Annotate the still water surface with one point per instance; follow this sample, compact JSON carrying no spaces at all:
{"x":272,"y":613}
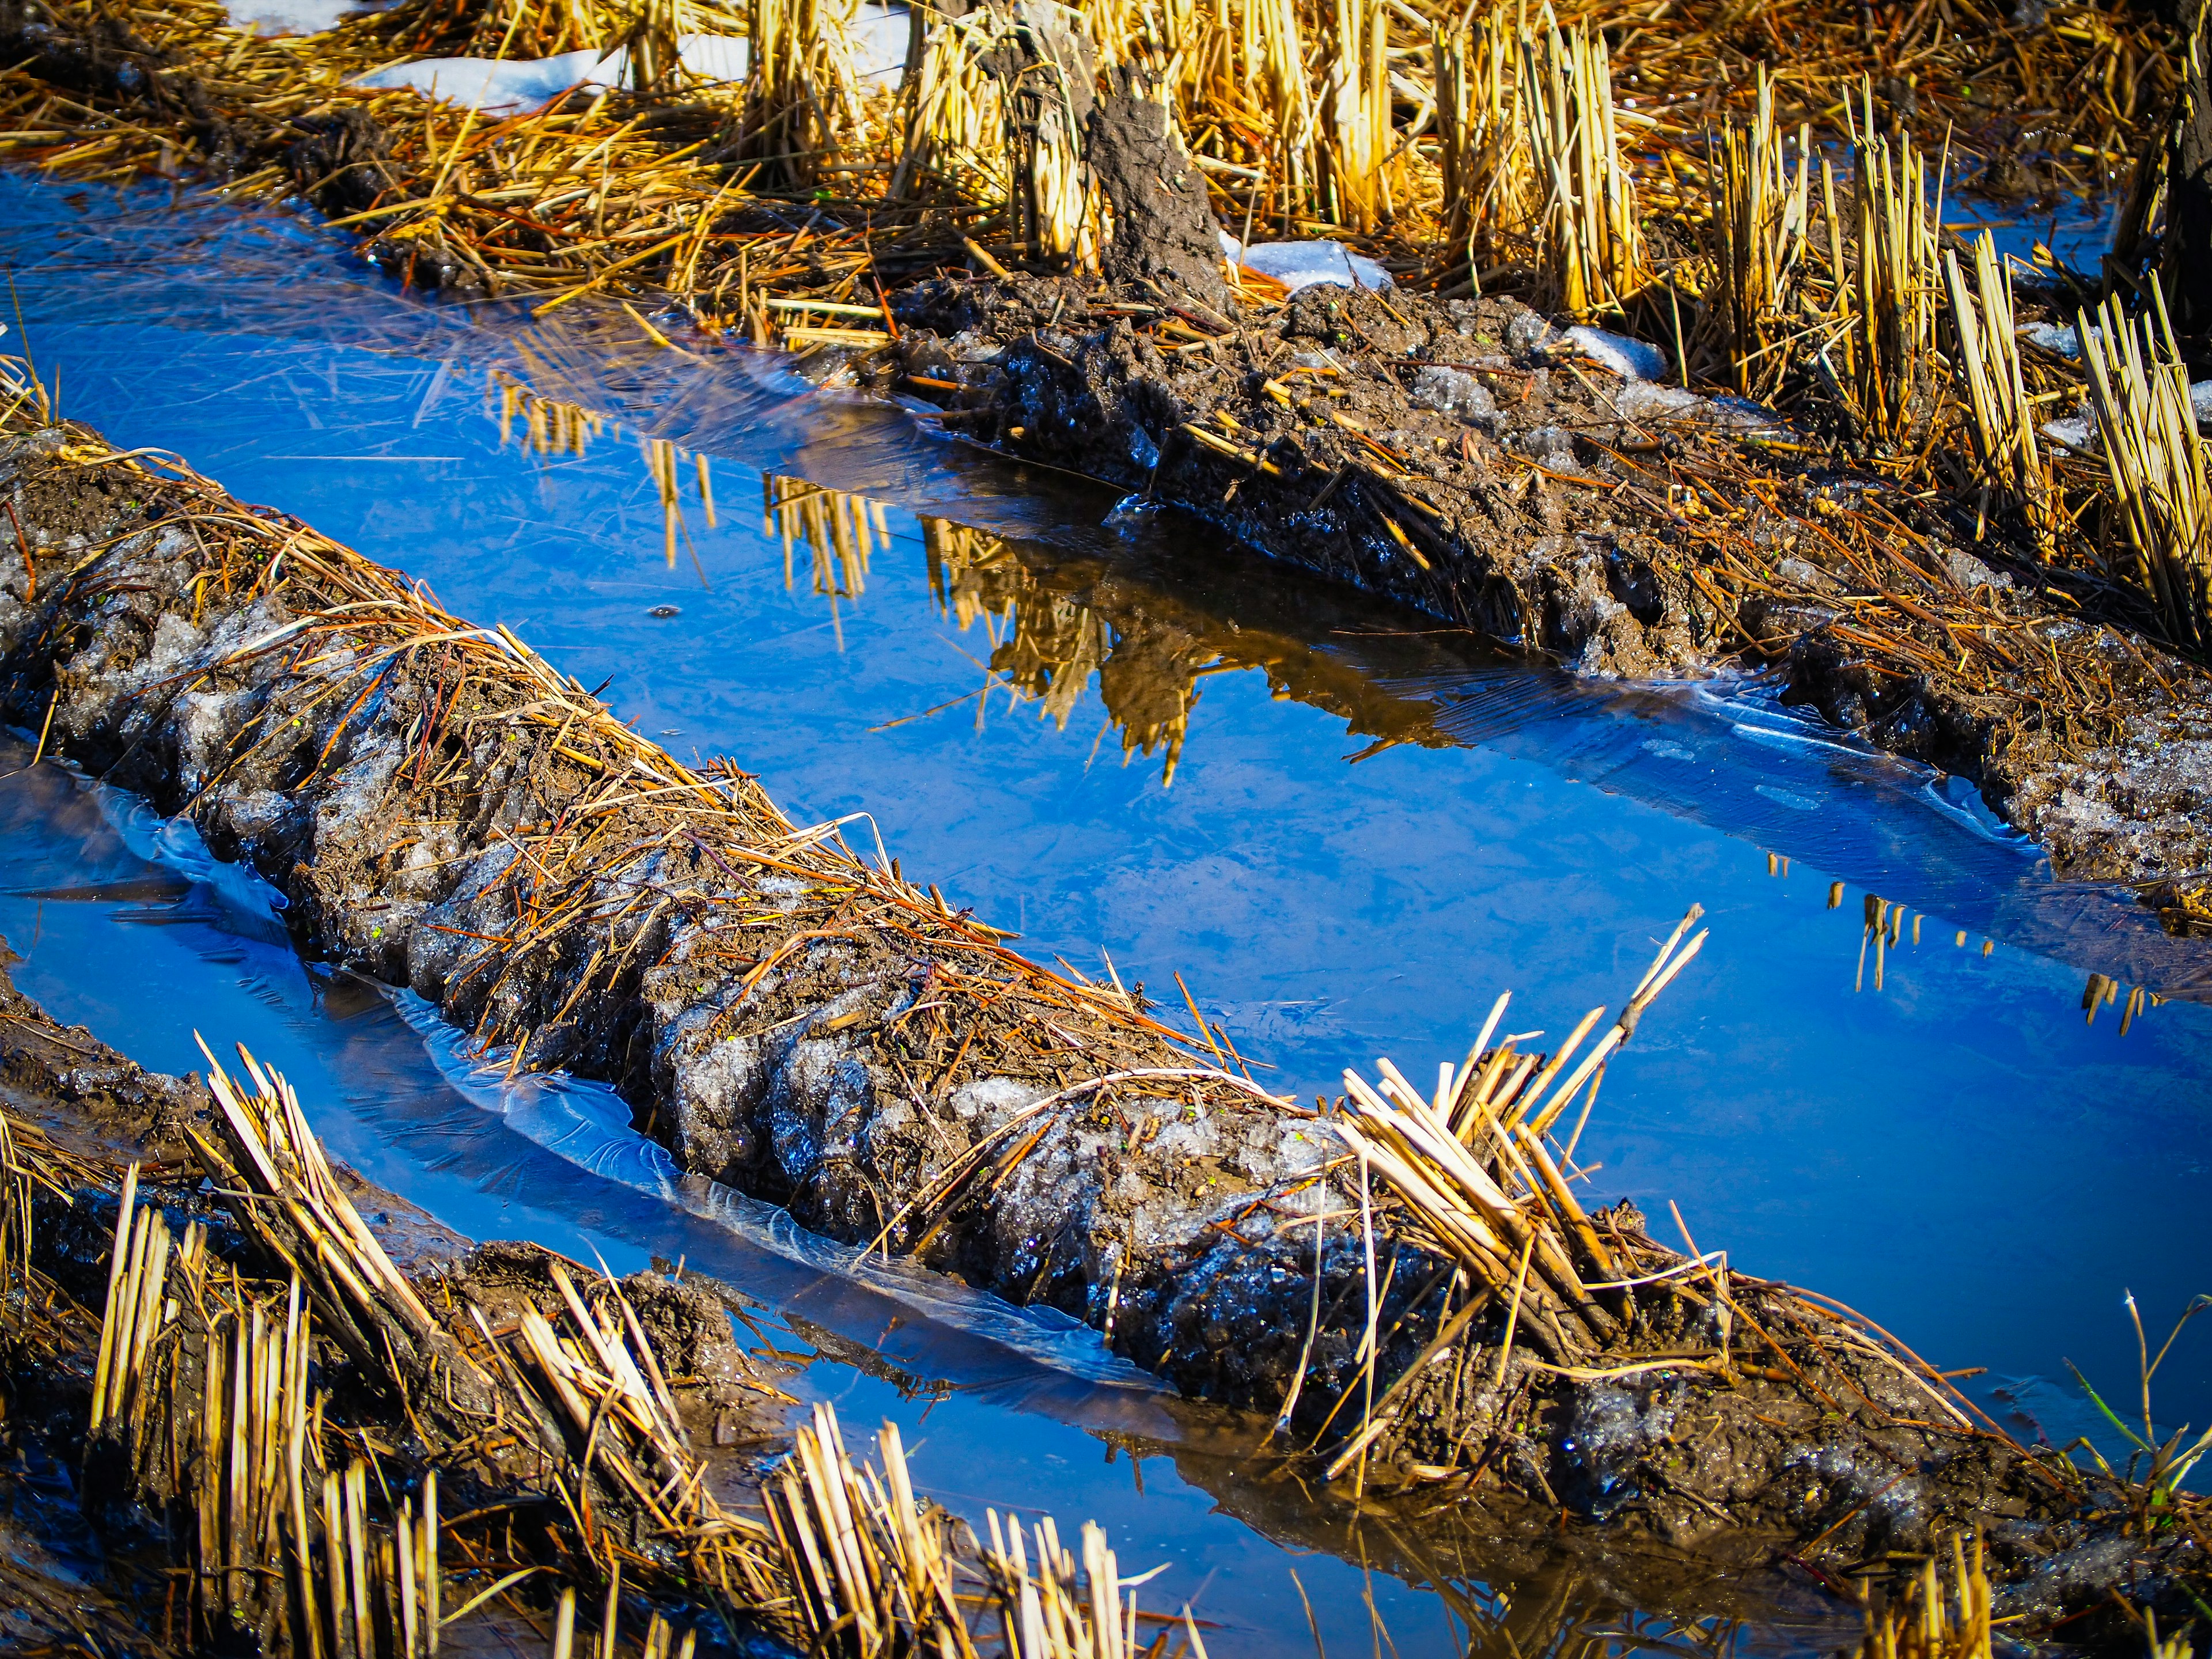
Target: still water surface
{"x":1346,"y":829}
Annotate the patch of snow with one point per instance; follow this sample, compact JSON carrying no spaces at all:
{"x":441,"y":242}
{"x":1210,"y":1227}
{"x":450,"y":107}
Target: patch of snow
{"x":267,"y":17}
{"x":1633,"y":360}
{"x":2200,"y":400}
{"x":1303,"y":264}
{"x":494,"y":84}
{"x":2074,"y":431}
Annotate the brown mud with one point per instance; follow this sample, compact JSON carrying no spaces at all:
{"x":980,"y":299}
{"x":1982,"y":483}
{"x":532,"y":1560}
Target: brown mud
{"x":98,"y":1519}
{"x":444,"y":812}
{"x":1466,"y":459}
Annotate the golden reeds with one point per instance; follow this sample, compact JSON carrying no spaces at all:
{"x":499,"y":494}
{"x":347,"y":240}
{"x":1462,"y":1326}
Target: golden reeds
{"x":1361,"y":148}
{"x":1761,"y":217}
{"x":1484,"y":172}
{"x":2014,"y":469}
{"x":954,"y":114}
{"x":1471,"y":1163}
{"x":802,"y":91}
{"x":1890,"y":334}
{"x":1939,"y":1616}
{"x":1590,"y":236}
{"x":2155,"y":459}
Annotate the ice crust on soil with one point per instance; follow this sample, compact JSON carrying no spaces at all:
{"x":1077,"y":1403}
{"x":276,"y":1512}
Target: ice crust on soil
{"x":1303,"y":265}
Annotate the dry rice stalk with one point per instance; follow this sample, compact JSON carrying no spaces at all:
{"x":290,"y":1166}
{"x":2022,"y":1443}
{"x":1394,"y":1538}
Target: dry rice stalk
{"x":877,"y":1570}
{"x":1471,"y":1164}
{"x":1361,"y":149}
{"x":1057,"y":204}
{"x":1487,"y":171}
{"x":2013,"y":467}
{"x":955,"y":116}
{"x":1936,"y":1621}
{"x":2139,"y":388}
{"x":1761,"y":217}
{"x":1894,"y":316}
{"x":1590,"y":254}
{"x":802,"y":91}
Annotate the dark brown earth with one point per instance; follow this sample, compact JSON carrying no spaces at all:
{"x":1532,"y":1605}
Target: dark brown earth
{"x":1465,"y":457}
{"x":82,"y":1530}
{"x":442,"y":812}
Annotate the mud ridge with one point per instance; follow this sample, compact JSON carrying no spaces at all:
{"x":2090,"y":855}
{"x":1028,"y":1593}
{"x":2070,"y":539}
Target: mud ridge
{"x":1466,"y":458}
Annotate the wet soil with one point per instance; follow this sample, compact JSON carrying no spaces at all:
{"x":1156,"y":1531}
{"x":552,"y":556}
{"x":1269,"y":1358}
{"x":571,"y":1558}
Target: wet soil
{"x":441,"y":810}
{"x":83,"y":1526}
{"x":1466,"y":458}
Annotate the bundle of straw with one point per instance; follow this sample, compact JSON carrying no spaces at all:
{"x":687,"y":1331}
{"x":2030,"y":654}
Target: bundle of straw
{"x":1590,"y":255}
{"x":1361,"y":148}
{"x":2154,"y":457}
{"x":1893,"y":321}
{"x":802,"y":90}
{"x":1938,"y":1620}
{"x":1485,"y":170}
{"x":2013,"y":467}
{"x":1471,"y":1163}
{"x":1761,"y":217}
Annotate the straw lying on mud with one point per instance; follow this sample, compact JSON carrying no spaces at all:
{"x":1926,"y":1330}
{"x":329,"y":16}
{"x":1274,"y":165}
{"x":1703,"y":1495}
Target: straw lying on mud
{"x":1410,"y":1286}
{"x":343,"y":1457}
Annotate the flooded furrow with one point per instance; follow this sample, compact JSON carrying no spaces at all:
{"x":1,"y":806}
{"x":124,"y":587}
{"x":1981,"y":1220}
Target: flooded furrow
{"x":1092,"y":729}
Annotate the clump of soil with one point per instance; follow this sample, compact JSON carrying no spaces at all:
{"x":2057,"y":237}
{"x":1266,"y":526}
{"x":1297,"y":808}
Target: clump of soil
{"x":1466,"y":457}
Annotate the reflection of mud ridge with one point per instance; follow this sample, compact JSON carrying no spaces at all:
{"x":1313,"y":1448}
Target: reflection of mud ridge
{"x":1518,"y":1583}
{"x":1045,"y":646}
{"x":839,"y":529}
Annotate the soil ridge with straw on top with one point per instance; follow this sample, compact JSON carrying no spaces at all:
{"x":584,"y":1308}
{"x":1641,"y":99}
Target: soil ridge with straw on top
{"x":444,"y":810}
{"x":1442,"y":452}
{"x":64,"y":1089}
{"x":1462,"y":457}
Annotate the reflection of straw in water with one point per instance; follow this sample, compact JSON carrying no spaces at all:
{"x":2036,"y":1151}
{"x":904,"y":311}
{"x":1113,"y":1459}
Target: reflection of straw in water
{"x":1147,"y":674}
{"x":549,"y":426}
{"x":841,"y":530}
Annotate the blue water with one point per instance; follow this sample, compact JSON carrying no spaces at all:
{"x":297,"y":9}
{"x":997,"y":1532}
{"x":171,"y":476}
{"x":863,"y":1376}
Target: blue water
{"x":1371,"y":827}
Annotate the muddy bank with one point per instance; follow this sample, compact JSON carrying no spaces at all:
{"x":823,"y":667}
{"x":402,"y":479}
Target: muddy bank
{"x":1466,"y":458}
{"x":442,"y":810}
{"x":201,"y":1359}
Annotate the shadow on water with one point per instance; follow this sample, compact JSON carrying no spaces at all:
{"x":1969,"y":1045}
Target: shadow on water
{"x":1345,"y":828}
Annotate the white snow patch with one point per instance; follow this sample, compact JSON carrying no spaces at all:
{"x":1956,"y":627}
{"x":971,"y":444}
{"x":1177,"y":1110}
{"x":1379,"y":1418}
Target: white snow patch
{"x":295,"y":16}
{"x":879,"y":43}
{"x":1633,"y":360}
{"x":1303,"y":264}
{"x":493,"y":84}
